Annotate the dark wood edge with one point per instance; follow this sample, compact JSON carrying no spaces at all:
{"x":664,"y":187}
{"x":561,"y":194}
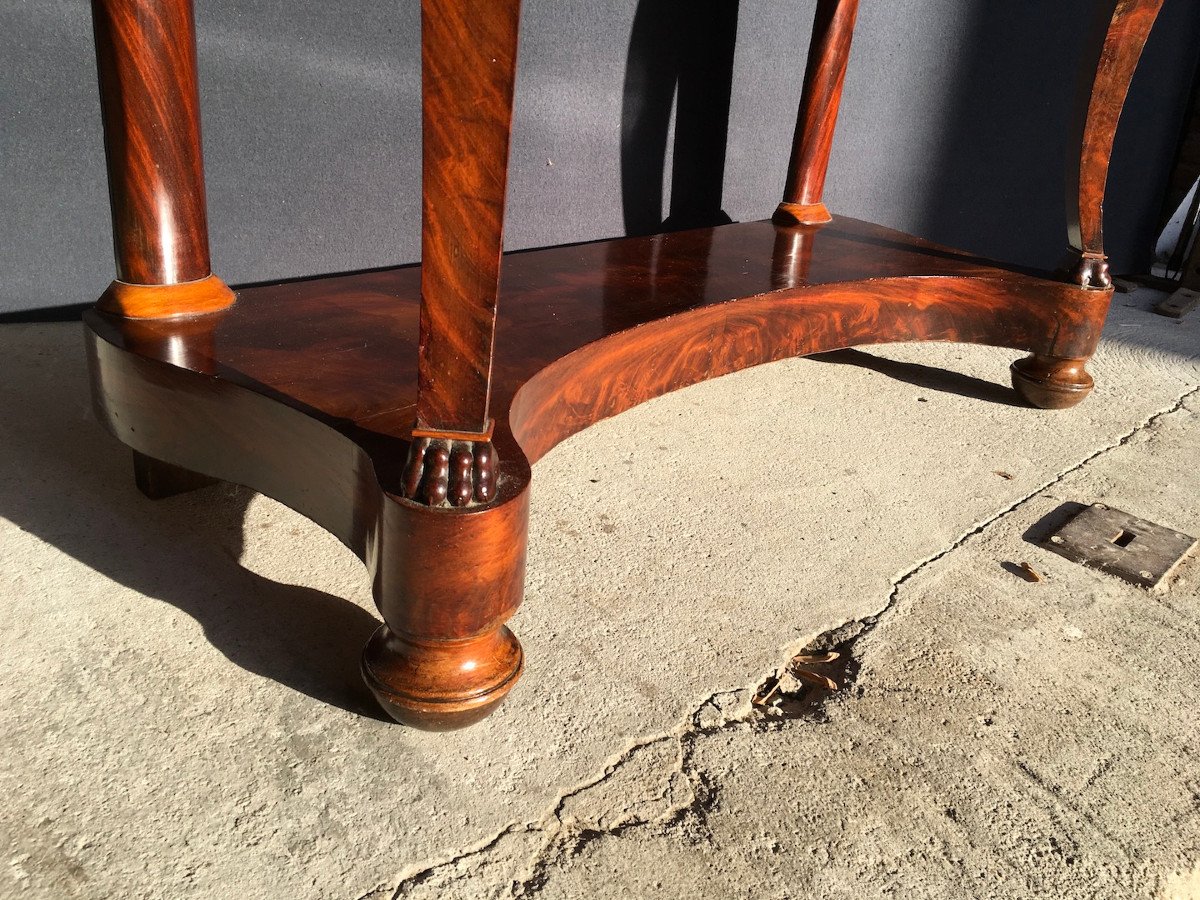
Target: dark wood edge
{"x":257,"y":441}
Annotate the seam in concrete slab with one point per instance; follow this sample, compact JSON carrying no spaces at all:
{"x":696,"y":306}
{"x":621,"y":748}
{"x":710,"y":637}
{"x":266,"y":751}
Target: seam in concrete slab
{"x":721,"y":710}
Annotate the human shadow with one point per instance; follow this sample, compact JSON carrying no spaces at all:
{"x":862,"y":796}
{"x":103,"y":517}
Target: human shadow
{"x":71,"y":484}
{"x":680,"y":57}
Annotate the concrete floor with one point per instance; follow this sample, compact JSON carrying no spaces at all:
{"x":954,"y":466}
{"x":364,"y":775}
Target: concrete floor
{"x":180,"y":711}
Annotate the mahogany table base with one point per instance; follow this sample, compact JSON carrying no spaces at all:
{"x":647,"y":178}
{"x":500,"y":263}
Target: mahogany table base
{"x":307,"y":392}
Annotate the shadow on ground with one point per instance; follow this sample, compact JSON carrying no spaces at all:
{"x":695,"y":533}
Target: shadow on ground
{"x":70,"y":484}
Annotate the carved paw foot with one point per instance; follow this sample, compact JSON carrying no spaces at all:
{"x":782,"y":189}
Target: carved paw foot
{"x":1092,"y":272}
{"x":440,"y":470}
{"x":1051,"y":383}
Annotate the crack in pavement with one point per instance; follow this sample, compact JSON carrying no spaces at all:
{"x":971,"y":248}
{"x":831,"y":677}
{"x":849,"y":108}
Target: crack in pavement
{"x":687,"y":796}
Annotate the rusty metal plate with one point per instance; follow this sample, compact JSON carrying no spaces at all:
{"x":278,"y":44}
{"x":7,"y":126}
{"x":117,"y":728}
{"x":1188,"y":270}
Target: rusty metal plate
{"x":1179,"y":304}
{"x":1121,"y":544}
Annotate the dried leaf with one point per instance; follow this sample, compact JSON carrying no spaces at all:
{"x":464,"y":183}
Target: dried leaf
{"x":816,"y":679}
{"x":766,"y":691}
{"x":815,"y":659}
{"x":1030,"y":572}
{"x":801,"y":668}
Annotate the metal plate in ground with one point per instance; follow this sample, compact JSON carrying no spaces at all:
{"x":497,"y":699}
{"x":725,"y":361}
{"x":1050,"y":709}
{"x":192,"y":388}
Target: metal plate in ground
{"x":1116,"y":542}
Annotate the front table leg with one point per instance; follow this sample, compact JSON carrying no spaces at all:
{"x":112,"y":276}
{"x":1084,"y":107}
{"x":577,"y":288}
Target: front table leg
{"x":1052,"y":382}
{"x":455,"y":571}
{"x":447,"y":581}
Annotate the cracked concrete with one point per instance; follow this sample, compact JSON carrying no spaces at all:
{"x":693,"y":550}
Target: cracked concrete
{"x":180,"y":712}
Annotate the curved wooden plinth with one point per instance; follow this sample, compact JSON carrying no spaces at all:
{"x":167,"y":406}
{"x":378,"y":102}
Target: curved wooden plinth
{"x":306,"y":392}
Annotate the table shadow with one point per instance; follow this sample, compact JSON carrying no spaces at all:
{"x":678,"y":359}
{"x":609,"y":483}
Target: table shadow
{"x":71,"y":484}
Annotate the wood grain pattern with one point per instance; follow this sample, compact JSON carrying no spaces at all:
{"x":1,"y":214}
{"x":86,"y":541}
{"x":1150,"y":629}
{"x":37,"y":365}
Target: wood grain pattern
{"x":1111,"y":58}
{"x":306,"y":391}
{"x":1049,"y":382}
{"x":146,"y":56}
{"x":824,"y":78}
{"x":157,"y":301}
{"x":469,"y":58}
{"x":366,"y":401}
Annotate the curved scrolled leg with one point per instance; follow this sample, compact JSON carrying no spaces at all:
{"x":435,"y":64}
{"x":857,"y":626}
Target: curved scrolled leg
{"x":1049,"y":382}
{"x":824,"y":77}
{"x":1121,"y":30}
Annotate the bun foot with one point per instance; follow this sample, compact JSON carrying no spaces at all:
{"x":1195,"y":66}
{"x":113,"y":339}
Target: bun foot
{"x":1051,"y":383}
{"x":441,"y":685}
{"x":159,"y":480}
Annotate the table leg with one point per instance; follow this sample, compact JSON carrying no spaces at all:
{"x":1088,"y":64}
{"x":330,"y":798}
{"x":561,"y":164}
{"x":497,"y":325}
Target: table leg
{"x":1111,"y":57}
{"x":146,"y":59}
{"x":444,"y":658}
{"x":828,"y":58}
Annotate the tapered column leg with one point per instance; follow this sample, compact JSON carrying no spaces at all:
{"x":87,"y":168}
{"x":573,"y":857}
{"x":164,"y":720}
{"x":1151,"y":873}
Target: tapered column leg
{"x":1115,"y":46}
{"x":444,"y":658}
{"x":828,"y":59}
{"x":146,"y":59}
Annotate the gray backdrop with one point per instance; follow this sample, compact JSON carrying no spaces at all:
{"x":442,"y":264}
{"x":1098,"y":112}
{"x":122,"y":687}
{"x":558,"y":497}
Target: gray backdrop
{"x":953,"y":127}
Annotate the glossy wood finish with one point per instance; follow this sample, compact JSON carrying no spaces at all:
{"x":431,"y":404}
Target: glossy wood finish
{"x":146,"y":58}
{"x":1049,"y":382}
{"x":469,"y":60}
{"x":306,"y":391}
{"x":1111,"y":57}
{"x":158,"y":301}
{"x":825,"y":75}
{"x":402,"y":409}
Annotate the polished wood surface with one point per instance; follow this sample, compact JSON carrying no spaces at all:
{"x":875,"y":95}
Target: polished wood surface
{"x":159,"y":301}
{"x":150,"y":101}
{"x":469,"y":60}
{"x":824,"y":78}
{"x":402,"y":409}
{"x":1111,"y":57}
{"x":306,"y":391}
{"x":1052,"y":382}
{"x":347,"y":348}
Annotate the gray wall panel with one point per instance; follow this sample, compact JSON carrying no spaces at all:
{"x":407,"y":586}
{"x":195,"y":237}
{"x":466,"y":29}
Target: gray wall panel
{"x":953,"y":127}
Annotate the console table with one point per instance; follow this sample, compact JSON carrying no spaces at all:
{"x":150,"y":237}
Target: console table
{"x":402,"y":409}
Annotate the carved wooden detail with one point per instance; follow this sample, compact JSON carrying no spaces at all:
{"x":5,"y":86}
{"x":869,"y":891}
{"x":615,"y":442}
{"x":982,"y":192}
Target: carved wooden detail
{"x":499,"y":358}
{"x":443,"y":470}
{"x":1051,"y":383}
{"x":1111,"y":58}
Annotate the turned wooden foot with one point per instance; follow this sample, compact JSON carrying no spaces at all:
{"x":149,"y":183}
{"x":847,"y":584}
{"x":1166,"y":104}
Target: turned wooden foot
{"x":441,"y":685}
{"x":1048,"y":382}
{"x":159,"y":480}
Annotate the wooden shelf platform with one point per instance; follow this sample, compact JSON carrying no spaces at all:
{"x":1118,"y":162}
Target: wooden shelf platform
{"x":587,"y":331}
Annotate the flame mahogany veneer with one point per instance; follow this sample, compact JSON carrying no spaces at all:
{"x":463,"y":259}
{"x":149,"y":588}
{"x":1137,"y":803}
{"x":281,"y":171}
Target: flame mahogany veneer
{"x":401,"y":409}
